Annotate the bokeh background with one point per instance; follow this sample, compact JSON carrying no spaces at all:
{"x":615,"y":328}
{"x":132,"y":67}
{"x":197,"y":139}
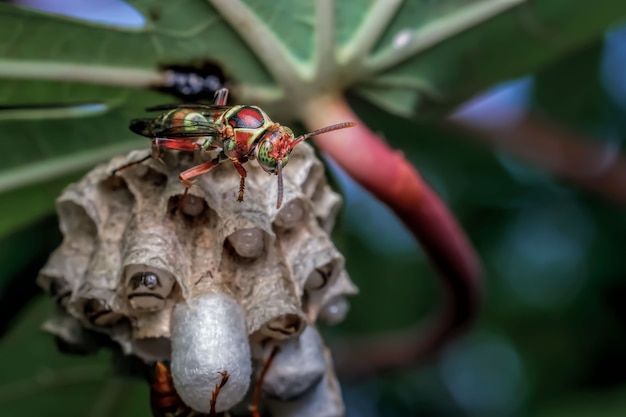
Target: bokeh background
{"x":548,"y":226}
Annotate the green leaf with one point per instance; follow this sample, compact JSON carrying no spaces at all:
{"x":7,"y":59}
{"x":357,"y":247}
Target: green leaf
{"x":87,"y":79}
{"x":48,"y":153}
{"x":22,"y":254}
{"x":456,"y":48}
{"x":22,"y":248}
{"x":175,"y":32}
{"x":572,"y":92}
{"x":36,"y":380}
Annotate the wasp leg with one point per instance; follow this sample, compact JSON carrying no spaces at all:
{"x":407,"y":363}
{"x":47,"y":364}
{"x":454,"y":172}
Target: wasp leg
{"x":186,"y":176}
{"x":256,"y":399}
{"x":216,"y":391}
{"x":221,"y":97}
{"x":242,"y":181}
{"x":130,"y":164}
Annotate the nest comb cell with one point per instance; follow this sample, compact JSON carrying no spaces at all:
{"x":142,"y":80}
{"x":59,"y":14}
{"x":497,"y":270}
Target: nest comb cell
{"x":207,"y":284}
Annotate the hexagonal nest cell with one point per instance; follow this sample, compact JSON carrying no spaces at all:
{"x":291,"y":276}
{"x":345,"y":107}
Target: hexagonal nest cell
{"x":205,"y":282}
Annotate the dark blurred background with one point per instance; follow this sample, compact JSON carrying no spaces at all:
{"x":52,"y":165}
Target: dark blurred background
{"x":550,"y":339}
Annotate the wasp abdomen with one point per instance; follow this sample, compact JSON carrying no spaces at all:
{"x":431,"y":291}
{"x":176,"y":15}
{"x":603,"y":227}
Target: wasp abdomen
{"x":187,"y":119}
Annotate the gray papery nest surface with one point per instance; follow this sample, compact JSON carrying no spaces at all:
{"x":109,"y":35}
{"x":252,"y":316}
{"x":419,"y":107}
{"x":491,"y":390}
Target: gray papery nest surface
{"x":212,"y":287}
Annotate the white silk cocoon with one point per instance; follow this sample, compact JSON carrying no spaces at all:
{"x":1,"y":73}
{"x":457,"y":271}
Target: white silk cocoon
{"x":209,"y":336}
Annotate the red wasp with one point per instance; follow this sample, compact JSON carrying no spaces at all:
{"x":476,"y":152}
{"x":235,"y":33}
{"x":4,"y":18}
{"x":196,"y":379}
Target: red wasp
{"x":164,"y":399}
{"x":239,"y":133}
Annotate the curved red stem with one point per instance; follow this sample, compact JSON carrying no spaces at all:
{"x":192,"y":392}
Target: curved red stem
{"x":391,"y":178}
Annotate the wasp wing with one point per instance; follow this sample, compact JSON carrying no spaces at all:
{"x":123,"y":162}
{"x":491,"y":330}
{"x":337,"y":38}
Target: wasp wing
{"x":190,"y":129}
{"x":199,"y":107}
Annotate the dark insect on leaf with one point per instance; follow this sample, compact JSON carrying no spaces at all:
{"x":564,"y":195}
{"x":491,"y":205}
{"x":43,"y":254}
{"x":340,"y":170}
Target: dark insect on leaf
{"x":193,"y":83}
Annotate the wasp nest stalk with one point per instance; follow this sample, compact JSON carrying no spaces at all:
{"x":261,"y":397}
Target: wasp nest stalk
{"x":206,"y":283}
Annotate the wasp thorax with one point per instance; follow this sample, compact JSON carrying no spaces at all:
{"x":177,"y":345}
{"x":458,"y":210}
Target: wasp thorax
{"x":248,"y":242}
{"x":215,"y":292}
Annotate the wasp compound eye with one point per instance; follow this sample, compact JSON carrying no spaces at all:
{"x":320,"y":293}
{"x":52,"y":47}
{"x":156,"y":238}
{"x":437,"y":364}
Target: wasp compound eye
{"x":147,"y":288}
{"x":267,"y":162}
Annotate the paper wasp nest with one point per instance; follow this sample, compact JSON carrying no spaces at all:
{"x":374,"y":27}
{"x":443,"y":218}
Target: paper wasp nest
{"x":207,"y":284}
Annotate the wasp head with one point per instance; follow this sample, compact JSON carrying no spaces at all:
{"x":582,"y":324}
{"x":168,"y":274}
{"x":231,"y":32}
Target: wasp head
{"x":276,"y":145}
{"x":274,"y":148}
{"x":273,"y":151}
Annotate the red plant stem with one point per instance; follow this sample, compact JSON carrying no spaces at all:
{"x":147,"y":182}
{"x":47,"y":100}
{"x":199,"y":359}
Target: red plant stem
{"x":391,"y":178}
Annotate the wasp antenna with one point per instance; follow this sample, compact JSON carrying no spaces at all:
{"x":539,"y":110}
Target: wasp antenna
{"x":326,"y":129}
{"x":221,"y":97}
{"x":279,"y":172}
